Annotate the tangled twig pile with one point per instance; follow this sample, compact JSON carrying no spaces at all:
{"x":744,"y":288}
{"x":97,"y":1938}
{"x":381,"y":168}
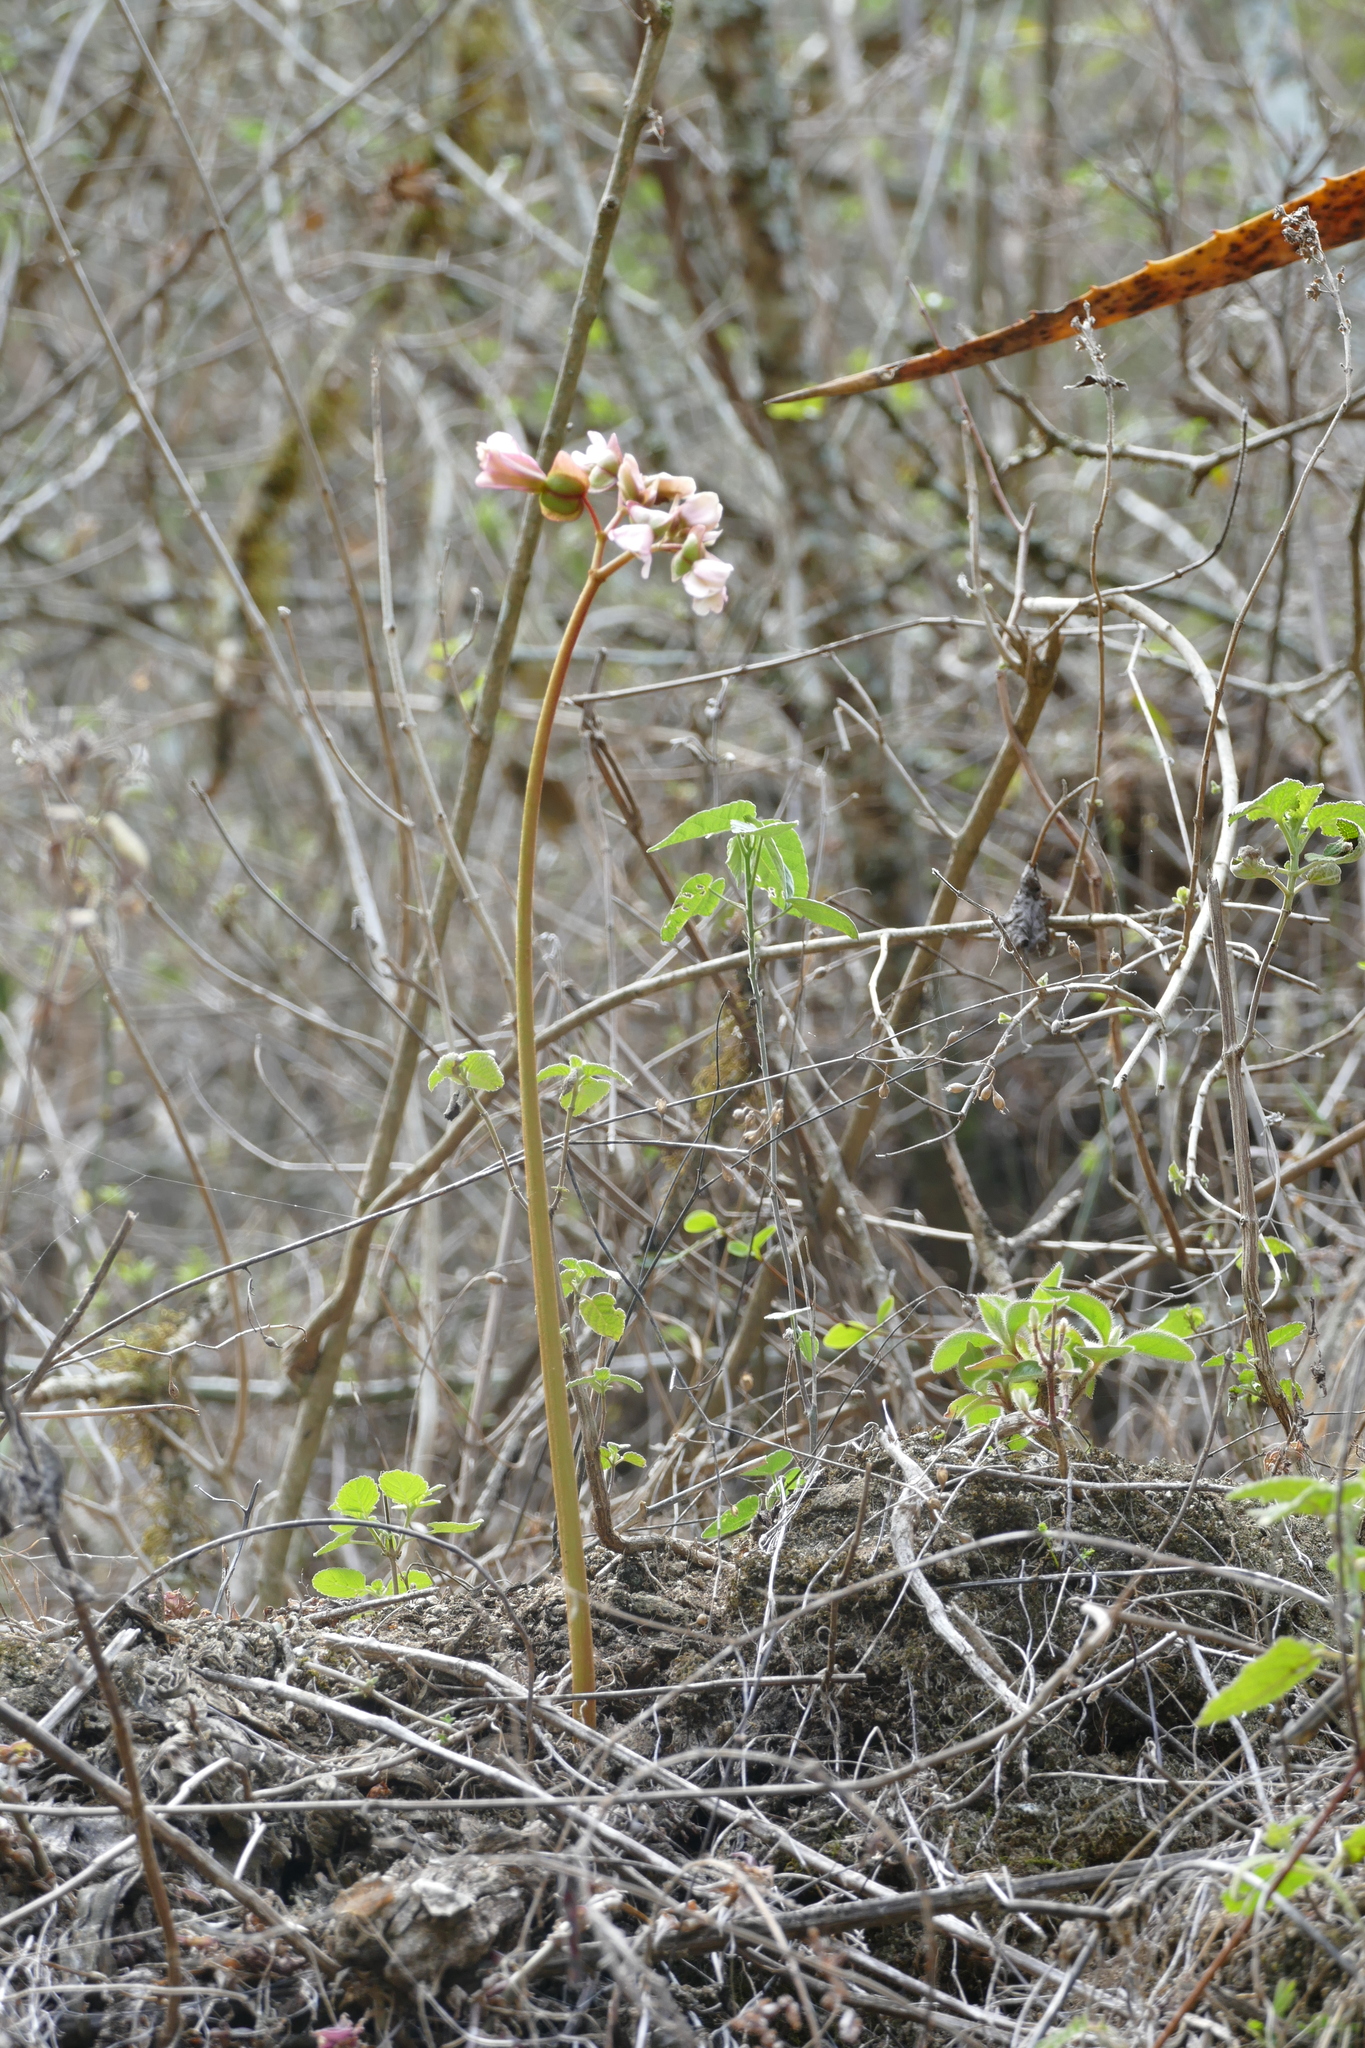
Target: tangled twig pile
{"x":921,"y":1754}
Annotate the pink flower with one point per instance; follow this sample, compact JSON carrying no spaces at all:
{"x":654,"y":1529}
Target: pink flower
{"x":505,"y":466}
{"x":346,"y":2034}
{"x":701,"y":514}
{"x":637,"y":541}
{"x":662,"y":485}
{"x":705,"y":584}
{"x":601,"y":458}
{"x":630,"y":482}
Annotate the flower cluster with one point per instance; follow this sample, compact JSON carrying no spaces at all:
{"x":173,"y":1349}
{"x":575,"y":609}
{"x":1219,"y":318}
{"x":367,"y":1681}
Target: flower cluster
{"x":660,"y":514}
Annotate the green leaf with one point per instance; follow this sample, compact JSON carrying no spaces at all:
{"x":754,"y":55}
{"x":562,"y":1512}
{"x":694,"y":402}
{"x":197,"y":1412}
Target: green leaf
{"x":975,"y":1413}
{"x":732,"y":1520}
{"x":964,"y":1347}
{"x":1343,"y":820}
{"x":1276,"y":1248}
{"x":769,"y":1467}
{"x":416,"y":1581}
{"x":455,"y":1528}
{"x":821,"y":913}
{"x":699,"y":896}
{"x":808,"y":1347}
{"x":1093,"y":1311}
{"x":408,"y":1489}
{"x":602,"y":1316}
{"x":1161,"y":1344}
{"x":443,"y":1069}
{"x":698,"y":1221}
{"x":338,"y":1584}
{"x":481,"y":1072}
{"x":750,"y":1247}
{"x":795,"y":408}
{"x":843,"y":1336}
{"x":993,"y":1310}
{"x":1287,"y":1663}
{"x":1287,"y":1333}
{"x":1353,"y":1848}
{"x":574,"y":1272}
{"x":706,"y":824}
{"x":782,"y":869}
{"x":885,"y":1308}
{"x":1249,"y":1889}
{"x":1287,"y":801}
{"x":359,"y":1497}
{"x":340,"y":1538}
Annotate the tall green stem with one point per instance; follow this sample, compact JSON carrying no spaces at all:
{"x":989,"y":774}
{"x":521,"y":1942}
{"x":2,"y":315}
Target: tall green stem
{"x":545,"y":1279}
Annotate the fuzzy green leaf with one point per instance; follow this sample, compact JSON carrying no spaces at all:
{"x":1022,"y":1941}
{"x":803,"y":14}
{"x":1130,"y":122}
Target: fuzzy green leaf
{"x":602,"y":1316}
{"x":481,"y":1072}
{"x":359,"y":1497}
{"x":407,"y":1489}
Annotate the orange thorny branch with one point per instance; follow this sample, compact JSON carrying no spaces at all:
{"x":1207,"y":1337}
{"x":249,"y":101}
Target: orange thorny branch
{"x":1229,"y":257}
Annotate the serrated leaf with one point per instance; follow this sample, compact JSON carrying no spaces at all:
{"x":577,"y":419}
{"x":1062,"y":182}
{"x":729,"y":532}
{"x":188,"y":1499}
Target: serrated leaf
{"x":1345,"y":820}
{"x":407,"y":1489}
{"x":359,"y":1497}
{"x":602,"y":1316}
{"x":481,"y":1072}
{"x":706,"y":824}
{"x":1287,"y":1663}
{"x":1287,"y":1333}
{"x":443,"y":1070}
{"x":821,"y":913}
{"x":1288,"y":799}
{"x":732,"y":1520}
{"x":336,"y":1583}
{"x":699,"y":896}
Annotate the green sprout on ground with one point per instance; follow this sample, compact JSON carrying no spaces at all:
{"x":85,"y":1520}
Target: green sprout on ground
{"x":1036,"y":1359}
{"x":781,"y":1468}
{"x":409,"y":1494}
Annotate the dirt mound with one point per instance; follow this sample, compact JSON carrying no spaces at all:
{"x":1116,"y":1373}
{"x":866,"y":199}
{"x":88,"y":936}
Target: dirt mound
{"x":921,"y":1752}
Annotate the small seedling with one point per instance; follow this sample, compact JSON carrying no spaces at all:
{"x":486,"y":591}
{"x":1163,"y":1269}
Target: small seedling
{"x":786,"y":1475}
{"x":763,"y":854}
{"x":1037,"y":1358}
{"x":409,"y":1493}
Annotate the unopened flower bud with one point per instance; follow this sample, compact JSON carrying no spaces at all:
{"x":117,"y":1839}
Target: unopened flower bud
{"x":564,"y":489}
{"x":505,"y":466}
